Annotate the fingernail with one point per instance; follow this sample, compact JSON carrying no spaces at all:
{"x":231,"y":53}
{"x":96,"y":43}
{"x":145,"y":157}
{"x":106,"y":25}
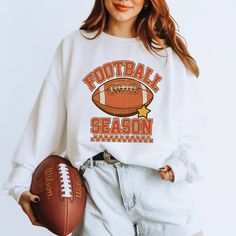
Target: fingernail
{"x":37,"y":199}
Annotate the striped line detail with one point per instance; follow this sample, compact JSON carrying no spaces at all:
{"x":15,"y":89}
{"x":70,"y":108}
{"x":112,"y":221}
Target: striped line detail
{"x":118,"y":138}
{"x":102,"y":95}
{"x":144,"y":90}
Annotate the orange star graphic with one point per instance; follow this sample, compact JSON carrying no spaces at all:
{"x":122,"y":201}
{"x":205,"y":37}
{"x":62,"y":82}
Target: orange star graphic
{"x":143,"y":111}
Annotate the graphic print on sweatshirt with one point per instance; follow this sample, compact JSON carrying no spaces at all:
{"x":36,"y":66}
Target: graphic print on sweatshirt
{"x":123,"y":90}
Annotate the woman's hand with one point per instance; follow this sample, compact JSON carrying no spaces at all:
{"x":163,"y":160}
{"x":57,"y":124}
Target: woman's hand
{"x":167,"y":173}
{"x":24,"y":201}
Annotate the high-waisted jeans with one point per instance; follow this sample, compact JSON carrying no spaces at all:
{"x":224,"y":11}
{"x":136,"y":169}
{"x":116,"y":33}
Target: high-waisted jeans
{"x":129,"y":200}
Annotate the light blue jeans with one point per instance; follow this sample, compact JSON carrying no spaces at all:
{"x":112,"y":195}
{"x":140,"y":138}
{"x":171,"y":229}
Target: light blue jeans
{"x":129,"y":200}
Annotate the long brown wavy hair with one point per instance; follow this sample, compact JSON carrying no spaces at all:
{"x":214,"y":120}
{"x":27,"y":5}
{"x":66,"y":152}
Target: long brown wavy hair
{"x":154,"y":26}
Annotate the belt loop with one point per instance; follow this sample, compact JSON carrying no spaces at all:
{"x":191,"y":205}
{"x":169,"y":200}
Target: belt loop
{"x":91,"y":162}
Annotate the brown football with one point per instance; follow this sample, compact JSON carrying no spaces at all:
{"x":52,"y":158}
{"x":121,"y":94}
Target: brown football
{"x":122,"y":97}
{"x":62,"y":195}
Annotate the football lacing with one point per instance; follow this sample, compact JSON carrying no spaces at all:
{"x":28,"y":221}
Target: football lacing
{"x":65,"y":180}
{"x":123,"y":88}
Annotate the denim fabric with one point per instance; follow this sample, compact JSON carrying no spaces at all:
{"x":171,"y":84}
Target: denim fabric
{"x":129,"y":200}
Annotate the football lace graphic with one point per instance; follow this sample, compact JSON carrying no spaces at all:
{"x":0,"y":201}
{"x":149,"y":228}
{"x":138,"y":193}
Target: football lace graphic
{"x":122,"y":97}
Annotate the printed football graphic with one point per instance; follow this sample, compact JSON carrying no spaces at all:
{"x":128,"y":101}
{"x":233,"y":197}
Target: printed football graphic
{"x":122,"y":97}
{"x":62,"y":195}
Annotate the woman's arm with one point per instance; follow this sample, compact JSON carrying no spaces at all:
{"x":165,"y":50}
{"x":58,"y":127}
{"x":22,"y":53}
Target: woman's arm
{"x":188,"y":161}
{"x":45,"y":131}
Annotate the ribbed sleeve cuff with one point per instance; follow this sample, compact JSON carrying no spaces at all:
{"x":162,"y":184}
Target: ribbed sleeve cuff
{"x":19,"y":181}
{"x":179,"y":169}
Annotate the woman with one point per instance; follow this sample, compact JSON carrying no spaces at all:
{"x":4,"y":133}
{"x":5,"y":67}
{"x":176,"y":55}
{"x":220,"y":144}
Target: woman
{"x":121,"y":98}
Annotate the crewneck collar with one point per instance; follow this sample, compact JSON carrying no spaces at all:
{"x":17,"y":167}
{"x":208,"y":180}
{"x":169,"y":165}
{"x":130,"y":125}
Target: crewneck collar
{"x":117,"y":39}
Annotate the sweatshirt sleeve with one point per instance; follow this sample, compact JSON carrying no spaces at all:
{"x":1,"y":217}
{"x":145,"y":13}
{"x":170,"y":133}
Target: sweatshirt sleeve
{"x":45,"y":130}
{"x":188,"y":161}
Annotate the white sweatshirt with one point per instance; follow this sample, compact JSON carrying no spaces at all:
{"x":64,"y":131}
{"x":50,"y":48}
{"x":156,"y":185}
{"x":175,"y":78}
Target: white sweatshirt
{"x":111,"y":93}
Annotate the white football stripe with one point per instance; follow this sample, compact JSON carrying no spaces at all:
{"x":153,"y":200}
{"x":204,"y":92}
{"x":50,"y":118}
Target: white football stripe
{"x":102,"y":95}
{"x":144,"y":90}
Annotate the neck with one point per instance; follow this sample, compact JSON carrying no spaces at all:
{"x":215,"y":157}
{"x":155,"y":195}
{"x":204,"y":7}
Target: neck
{"x":121,"y":29}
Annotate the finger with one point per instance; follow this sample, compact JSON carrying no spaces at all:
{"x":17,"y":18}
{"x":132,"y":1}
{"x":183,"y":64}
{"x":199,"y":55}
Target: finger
{"x":165,"y":175}
{"x":34,"y":198}
{"x":171,"y":172}
{"x":29,"y":212}
{"x":28,"y":196}
{"x":163,"y":169}
{"x":170,"y":175}
{"x":162,"y":174}
{"x":166,"y":168}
